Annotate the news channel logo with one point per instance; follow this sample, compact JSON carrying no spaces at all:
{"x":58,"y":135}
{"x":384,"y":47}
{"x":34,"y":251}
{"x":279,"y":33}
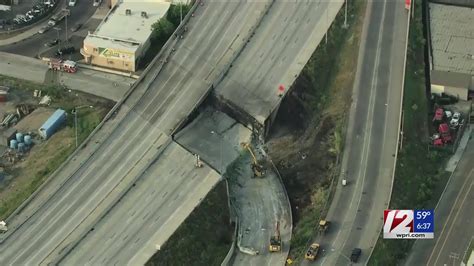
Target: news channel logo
{"x":408,"y":224}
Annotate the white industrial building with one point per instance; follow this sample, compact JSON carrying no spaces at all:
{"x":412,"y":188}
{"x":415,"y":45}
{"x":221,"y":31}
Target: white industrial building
{"x":451,"y":50}
{"x":123,"y":37}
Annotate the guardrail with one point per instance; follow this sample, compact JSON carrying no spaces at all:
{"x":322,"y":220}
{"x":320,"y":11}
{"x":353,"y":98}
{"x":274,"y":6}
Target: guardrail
{"x":109,"y":115}
{"x":235,"y":219}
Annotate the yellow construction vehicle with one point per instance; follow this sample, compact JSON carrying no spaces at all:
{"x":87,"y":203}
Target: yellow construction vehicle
{"x":312,"y":252}
{"x":323,"y":226}
{"x":257,"y":168}
{"x":275,"y":240}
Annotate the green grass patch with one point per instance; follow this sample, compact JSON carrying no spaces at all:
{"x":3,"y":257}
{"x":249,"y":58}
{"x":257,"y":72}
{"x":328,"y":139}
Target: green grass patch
{"x":307,"y":226}
{"x":204,"y":238}
{"x":10,"y":201}
{"x":419,"y":176}
{"x":325,"y":71}
{"x":46,"y":157}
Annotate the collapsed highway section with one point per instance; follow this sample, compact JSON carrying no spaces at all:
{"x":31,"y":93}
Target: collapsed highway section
{"x":135,"y":137}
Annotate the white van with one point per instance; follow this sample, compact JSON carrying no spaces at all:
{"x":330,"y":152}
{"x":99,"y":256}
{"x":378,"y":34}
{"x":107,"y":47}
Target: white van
{"x":72,"y":2}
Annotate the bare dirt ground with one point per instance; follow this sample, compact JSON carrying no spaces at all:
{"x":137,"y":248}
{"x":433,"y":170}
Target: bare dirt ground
{"x":30,"y":169}
{"x":34,"y":120}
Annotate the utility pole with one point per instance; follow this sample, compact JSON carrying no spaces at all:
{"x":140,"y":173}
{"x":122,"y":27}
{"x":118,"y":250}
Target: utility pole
{"x":57,"y":30}
{"x":67,"y":15}
{"x":327,"y":24}
{"x":180,"y":13}
{"x":75,"y":125}
{"x":345,"y":15}
{"x":74,"y":111}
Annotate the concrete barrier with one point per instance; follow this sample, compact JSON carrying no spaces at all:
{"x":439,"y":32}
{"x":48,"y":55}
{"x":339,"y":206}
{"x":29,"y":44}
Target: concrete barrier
{"x":110,"y":71}
{"x":230,"y":254}
{"x":109,"y":115}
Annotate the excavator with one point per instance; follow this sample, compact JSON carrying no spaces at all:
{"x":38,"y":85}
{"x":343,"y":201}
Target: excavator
{"x":257,"y":168}
{"x":275,"y":240}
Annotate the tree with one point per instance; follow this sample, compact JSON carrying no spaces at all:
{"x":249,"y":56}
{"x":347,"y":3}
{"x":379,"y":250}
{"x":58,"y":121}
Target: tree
{"x":162,"y":29}
{"x":174,"y":13}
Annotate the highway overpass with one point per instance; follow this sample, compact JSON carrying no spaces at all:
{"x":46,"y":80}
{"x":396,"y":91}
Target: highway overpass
{"x":133,"y":144}
{"x":281,"y":47}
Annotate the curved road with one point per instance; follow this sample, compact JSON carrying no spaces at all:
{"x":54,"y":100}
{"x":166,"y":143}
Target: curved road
{"x":280,"y":48}
{"x":130,"y":145}
{"x":356,"y":212}
{"x":35,"y":44}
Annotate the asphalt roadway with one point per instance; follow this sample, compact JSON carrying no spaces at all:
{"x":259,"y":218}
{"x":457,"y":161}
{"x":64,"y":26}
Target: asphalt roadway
{"x":260,"y":203}
{"x":281,"y":47}
{"x":109,"y":86}
{"x":34,"y":45}
{"x":356,"y":211}
{"x":51,"y":226}
{"x":454,"y":219}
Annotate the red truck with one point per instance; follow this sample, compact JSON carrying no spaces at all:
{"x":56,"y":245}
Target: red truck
{"x":63,"y":65}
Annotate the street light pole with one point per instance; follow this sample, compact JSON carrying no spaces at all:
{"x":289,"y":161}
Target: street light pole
{"x":75,"y":120}
{"x":345,"y":15}
{"x":67,"y":15}
{"x":57,"y":30}
{"x":180,"y":13}
{"x":327,"y":24}
{"x":75,"y":125}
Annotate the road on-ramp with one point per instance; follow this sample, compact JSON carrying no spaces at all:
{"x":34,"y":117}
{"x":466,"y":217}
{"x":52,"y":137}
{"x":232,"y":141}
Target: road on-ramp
{"x":135,"y":139}
{"x":356,"y":210}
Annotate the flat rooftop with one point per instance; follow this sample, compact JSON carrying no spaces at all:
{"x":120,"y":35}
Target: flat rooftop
{"x":469,"y":3}
{"x":119,"y":30}
{"x":452,"y":38}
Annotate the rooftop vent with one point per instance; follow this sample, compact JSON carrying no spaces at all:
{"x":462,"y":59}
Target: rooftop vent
{"x":128,"y":12}
{"x":144,"y":14}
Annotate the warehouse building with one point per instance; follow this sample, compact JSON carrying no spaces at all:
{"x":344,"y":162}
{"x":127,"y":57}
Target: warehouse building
{"x":451,"y":49}
{"x":123,"y":37}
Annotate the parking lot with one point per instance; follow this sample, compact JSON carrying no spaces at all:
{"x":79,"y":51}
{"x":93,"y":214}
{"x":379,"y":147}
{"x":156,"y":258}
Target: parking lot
{"x":448,"y":123}
{"x":36,"y":45}
{"x":25,"y":13}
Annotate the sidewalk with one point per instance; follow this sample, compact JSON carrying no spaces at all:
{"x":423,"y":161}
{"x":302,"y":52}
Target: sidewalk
{"x":106,"y":85}
{"x":22,"y":36}
{"x":453,"y":161}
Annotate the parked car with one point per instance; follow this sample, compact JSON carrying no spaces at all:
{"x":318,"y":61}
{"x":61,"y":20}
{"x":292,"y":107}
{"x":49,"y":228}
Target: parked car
{"x":97,"y":2}
{"x":52,"y":43}
{"x":355,"y":254}
{"x":455,"y":120}
{"x":49,"y":3}
{"x":76,"y":27}
{"x":72,"y":2}
{"x":65,"y":50}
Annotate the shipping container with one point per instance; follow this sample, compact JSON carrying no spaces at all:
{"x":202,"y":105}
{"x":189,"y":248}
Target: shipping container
{"x":54,"y":122}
